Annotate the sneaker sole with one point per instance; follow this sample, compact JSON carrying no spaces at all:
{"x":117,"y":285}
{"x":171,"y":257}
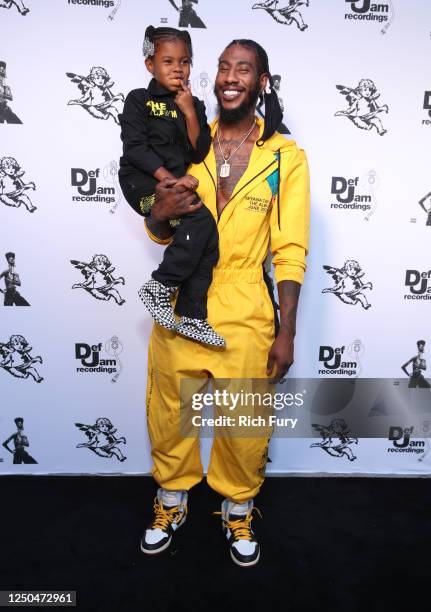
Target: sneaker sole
{"x":193,"y":337}
{"x":157,"y":550}
{"x":250,"y":564}
{"x":147,"y":301}
{"x":165,"y":546}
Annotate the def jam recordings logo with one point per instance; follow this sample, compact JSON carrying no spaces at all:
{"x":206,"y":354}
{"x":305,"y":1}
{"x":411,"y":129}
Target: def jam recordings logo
{"x":286,"y":14}
{"x":18,"y":4}
{"x":99,"y":280}
{"x":366,"y":11}
{"x":16,"y":358}
{"x":101,"y":439}
{"x":334,"y":359}
{"x":419,"y":285}
{"x":401,"y":442}
{"x":102,"y":3}
{"x":349,"y":286}
{"x":91,"y":362}
{"x":347,"y":196}
{"x":89,"y":188}
{"x":336,"y":440}
{"x":363,"y":109}
{"x":97,"y":98}
{"x":427,"y":107}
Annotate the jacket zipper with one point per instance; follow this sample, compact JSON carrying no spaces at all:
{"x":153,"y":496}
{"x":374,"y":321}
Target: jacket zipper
{"x":239,"y":191}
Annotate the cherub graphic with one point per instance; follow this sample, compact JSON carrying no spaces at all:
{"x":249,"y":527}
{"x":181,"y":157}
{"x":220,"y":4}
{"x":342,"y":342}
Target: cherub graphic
{"x":425,"y":204}
{"x":99,"y":281}
{"x":286,"y":15}
{"x":336,"y":440}
{"x":17,"y":3}
{"x":349,"y":286}
{"x":102,"y":439}
{"x":363,"y":109}
{"x":12,"y":186}
{"x":97,"y":97}
{"x":15,"y":358}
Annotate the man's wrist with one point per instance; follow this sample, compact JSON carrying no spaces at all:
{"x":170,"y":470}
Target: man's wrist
{"x":287,"y":329}
{"x":156,"y":216}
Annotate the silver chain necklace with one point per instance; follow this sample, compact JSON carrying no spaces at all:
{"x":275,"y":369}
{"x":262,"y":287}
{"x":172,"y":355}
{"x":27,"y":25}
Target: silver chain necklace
{"x":225,"y":167}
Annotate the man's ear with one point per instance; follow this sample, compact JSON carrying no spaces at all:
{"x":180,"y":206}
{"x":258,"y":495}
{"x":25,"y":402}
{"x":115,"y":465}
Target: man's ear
{"x":150,"y":65}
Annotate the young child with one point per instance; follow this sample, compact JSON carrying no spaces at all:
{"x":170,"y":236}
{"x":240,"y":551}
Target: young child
{"x":164,"y":129}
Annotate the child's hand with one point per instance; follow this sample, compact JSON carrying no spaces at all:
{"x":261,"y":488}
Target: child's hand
{"x":188,"y":181}
{"x":184,"y":99}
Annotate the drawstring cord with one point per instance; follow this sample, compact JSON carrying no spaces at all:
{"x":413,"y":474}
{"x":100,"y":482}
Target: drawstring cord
{"x":278,"y":189}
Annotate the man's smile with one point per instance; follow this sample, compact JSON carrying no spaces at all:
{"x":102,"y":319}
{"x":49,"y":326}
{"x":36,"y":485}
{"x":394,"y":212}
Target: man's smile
{"x":231,"y":93}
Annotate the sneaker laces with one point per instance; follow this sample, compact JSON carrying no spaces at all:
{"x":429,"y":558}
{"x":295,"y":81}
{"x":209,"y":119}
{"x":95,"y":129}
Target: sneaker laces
{"x":166,"y":516}
{"x":241,"y":528}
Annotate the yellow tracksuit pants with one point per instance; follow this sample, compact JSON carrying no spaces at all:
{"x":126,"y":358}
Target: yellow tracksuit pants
{"x":240,"y":309}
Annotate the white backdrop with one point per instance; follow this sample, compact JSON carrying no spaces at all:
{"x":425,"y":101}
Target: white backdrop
{"x":56,"y":37}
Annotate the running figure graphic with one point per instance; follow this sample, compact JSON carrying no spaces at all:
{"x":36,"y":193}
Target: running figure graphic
{"x":286,"y":15}
{"x":99,"y":281}
{"x":97,"y":97}
{"x":336,"y":440}
{"x":15,"y":358}
{"x":363,"y":109}
{"x":349,"y":287}
{"x":12,"y":187}
{"x":102,"y":439}
{"x":18,"y":4}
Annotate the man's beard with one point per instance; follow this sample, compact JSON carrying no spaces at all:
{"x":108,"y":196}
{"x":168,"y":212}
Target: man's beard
{"x":235,"y":115}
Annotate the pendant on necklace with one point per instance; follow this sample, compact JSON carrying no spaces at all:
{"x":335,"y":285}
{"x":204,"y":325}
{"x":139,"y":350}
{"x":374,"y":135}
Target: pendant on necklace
{"x":225,"y":170}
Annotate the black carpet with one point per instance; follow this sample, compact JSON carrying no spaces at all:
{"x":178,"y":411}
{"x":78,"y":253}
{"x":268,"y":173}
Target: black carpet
{"x":328,"y":544}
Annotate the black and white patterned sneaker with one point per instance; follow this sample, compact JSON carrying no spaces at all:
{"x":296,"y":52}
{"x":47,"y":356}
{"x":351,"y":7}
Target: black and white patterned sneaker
{"x":170,"y":510}
{"x":200,"y":330}
{"x":156,"y":298}
{"x":244,"y":549}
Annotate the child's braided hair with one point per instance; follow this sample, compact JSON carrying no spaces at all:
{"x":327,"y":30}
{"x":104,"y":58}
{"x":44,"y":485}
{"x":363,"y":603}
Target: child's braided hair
{"x":154,"y":36}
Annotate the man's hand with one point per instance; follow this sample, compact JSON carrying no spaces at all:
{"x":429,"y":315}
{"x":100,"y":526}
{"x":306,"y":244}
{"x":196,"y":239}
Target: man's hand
{"x":184,"y":99}
{"x":172,"y":201}
{"x":280,"y":356}
{"x":188,"y":181}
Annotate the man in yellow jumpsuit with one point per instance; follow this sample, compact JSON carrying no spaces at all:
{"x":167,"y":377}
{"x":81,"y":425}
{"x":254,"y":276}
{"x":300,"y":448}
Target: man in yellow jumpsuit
{"x":260,"y":202}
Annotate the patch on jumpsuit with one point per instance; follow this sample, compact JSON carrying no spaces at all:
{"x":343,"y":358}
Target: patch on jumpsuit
{"x":274,"y":179}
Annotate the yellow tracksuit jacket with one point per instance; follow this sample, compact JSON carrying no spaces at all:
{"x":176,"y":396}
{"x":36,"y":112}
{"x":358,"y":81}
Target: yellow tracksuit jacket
{"x":239,"y":308}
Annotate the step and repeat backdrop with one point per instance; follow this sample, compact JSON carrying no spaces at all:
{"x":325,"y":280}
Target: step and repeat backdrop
{"x":354,"y":81}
